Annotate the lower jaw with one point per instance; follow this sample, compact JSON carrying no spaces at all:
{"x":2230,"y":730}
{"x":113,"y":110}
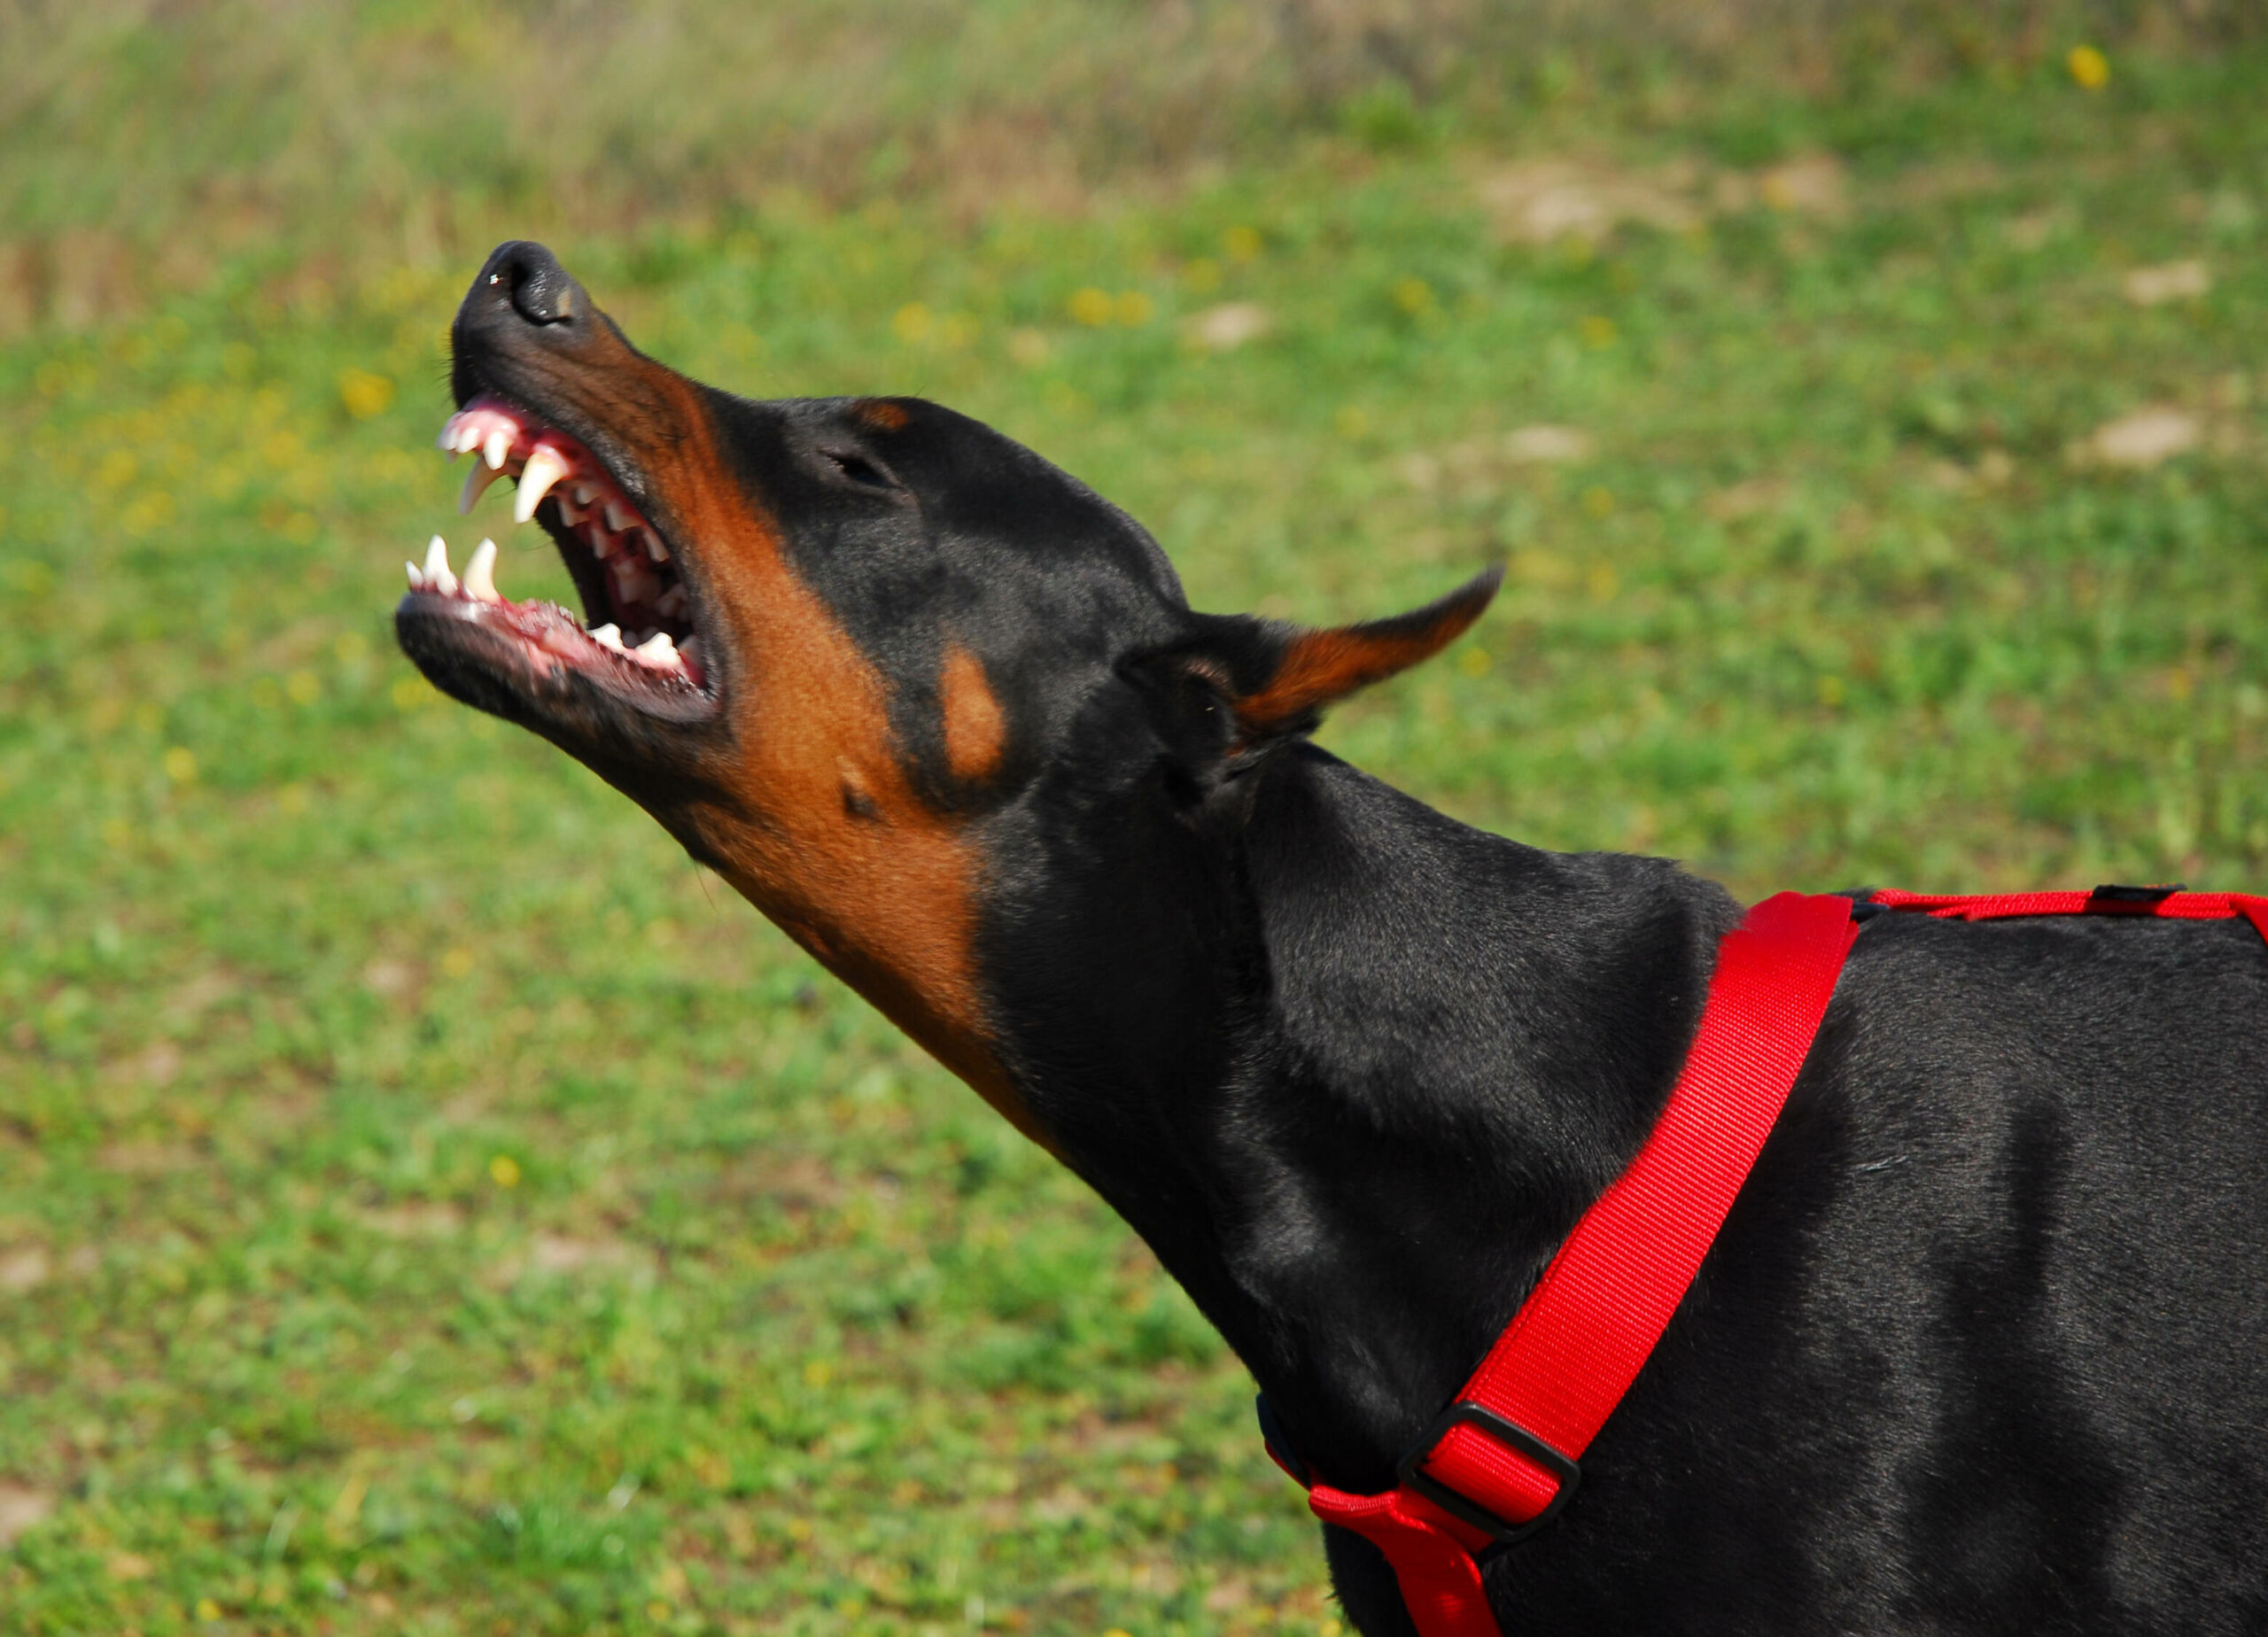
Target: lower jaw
{"x":546,"y":645}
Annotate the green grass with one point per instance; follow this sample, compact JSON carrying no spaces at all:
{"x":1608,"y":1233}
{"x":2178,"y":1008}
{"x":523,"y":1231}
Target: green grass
{"x":429,"y":1204}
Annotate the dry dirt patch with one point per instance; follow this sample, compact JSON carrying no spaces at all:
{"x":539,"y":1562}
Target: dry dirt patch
{"x":2169,"y":281}
{"x":2146,"y":438}
{"x":21,"y":1506}
{"x":1547,"y":200}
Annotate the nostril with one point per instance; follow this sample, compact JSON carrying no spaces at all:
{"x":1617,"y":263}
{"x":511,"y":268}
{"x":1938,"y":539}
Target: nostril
{"x":538,"y":286}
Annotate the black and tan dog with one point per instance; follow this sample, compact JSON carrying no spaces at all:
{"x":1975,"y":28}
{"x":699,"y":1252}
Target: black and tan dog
{"x":1984,"y":1345}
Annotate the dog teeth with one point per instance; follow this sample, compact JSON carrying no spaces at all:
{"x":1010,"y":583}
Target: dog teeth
{"x":634,"y":581}
{"x":545,"y":467}
{"x":416,"y":578}
{"x":475,"y":484}
{"x":438,"y":577}
{"x":480,"y":574}
{"x":549,"y":464}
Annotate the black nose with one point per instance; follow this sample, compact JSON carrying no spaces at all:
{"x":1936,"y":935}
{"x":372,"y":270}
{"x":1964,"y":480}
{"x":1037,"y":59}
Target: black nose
{"x":530,"y":279}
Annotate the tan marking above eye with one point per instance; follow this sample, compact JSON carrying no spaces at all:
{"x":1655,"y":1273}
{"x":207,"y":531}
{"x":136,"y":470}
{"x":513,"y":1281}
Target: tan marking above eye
{"x":886,"y":417}
{"x":976,"y":732}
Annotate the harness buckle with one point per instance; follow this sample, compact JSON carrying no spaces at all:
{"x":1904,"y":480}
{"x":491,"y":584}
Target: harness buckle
{"x":1411,"y":1470}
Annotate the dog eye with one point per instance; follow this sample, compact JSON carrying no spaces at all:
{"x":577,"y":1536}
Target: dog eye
{"x":857,"y":469}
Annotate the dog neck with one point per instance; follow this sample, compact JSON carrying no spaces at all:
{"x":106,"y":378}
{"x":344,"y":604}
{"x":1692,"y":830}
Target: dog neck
{"x":1352,"y":1068}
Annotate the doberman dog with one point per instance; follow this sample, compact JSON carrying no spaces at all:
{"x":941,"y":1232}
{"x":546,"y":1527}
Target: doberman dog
{"x":1983,"y":1345}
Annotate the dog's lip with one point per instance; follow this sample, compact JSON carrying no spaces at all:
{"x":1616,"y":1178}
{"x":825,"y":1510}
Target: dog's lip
{"x":640,"y":638}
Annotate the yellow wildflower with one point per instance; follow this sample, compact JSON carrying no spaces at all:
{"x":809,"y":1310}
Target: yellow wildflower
{"x":363,"y":393}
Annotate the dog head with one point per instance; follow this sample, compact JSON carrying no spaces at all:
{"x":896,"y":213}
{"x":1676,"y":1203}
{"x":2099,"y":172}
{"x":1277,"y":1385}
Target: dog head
{"x":826,"y":642}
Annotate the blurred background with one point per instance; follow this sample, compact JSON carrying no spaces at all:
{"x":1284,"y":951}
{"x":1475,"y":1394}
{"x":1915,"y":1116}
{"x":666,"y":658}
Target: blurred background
{"x":428,"y":1203}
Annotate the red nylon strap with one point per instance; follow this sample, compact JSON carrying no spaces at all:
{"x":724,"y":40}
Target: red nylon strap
{"x":2102,"y":901}
{"x":1579,"y":1341}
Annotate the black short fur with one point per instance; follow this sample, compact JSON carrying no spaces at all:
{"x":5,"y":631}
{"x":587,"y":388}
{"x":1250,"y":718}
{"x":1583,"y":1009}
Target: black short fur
{"x":1983,"y":1347}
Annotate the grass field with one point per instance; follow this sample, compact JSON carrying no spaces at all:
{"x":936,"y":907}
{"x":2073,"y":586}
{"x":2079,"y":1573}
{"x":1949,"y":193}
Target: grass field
{"x":428,"y":1203}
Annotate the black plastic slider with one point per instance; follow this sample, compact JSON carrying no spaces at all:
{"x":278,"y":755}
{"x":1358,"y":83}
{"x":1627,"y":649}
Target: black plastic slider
{"x":1513,"y":1436}
{"x":2114,"y":900}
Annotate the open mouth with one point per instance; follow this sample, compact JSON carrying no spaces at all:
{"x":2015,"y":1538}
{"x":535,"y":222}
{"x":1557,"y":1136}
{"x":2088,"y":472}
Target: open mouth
{"x":637,"y":637}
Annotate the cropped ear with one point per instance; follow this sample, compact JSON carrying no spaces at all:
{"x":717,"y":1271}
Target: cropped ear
{"x":1276,"y":679}
{"x":1320,"y":668}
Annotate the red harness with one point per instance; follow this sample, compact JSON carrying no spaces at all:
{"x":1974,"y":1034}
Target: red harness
{"x":1500,"y":1462}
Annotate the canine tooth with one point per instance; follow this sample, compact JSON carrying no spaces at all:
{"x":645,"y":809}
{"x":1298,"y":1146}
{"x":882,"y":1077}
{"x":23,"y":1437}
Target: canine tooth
{"x":608,"y":635}
{"x":618,"y":514}
{"x":499,"y":445}
{"x":475,"y":484}
{"x":480,"y":574}
{"x":655,"y":549}
{"x":417,"y":579}
{"x":546,"y":466}
{"x":671,"y":603}
{"x":438,"y":577}
{"x":657,"y":649}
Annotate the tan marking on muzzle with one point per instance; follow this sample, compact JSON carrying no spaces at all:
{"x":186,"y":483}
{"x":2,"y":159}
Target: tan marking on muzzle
{"x":819,"y":825}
